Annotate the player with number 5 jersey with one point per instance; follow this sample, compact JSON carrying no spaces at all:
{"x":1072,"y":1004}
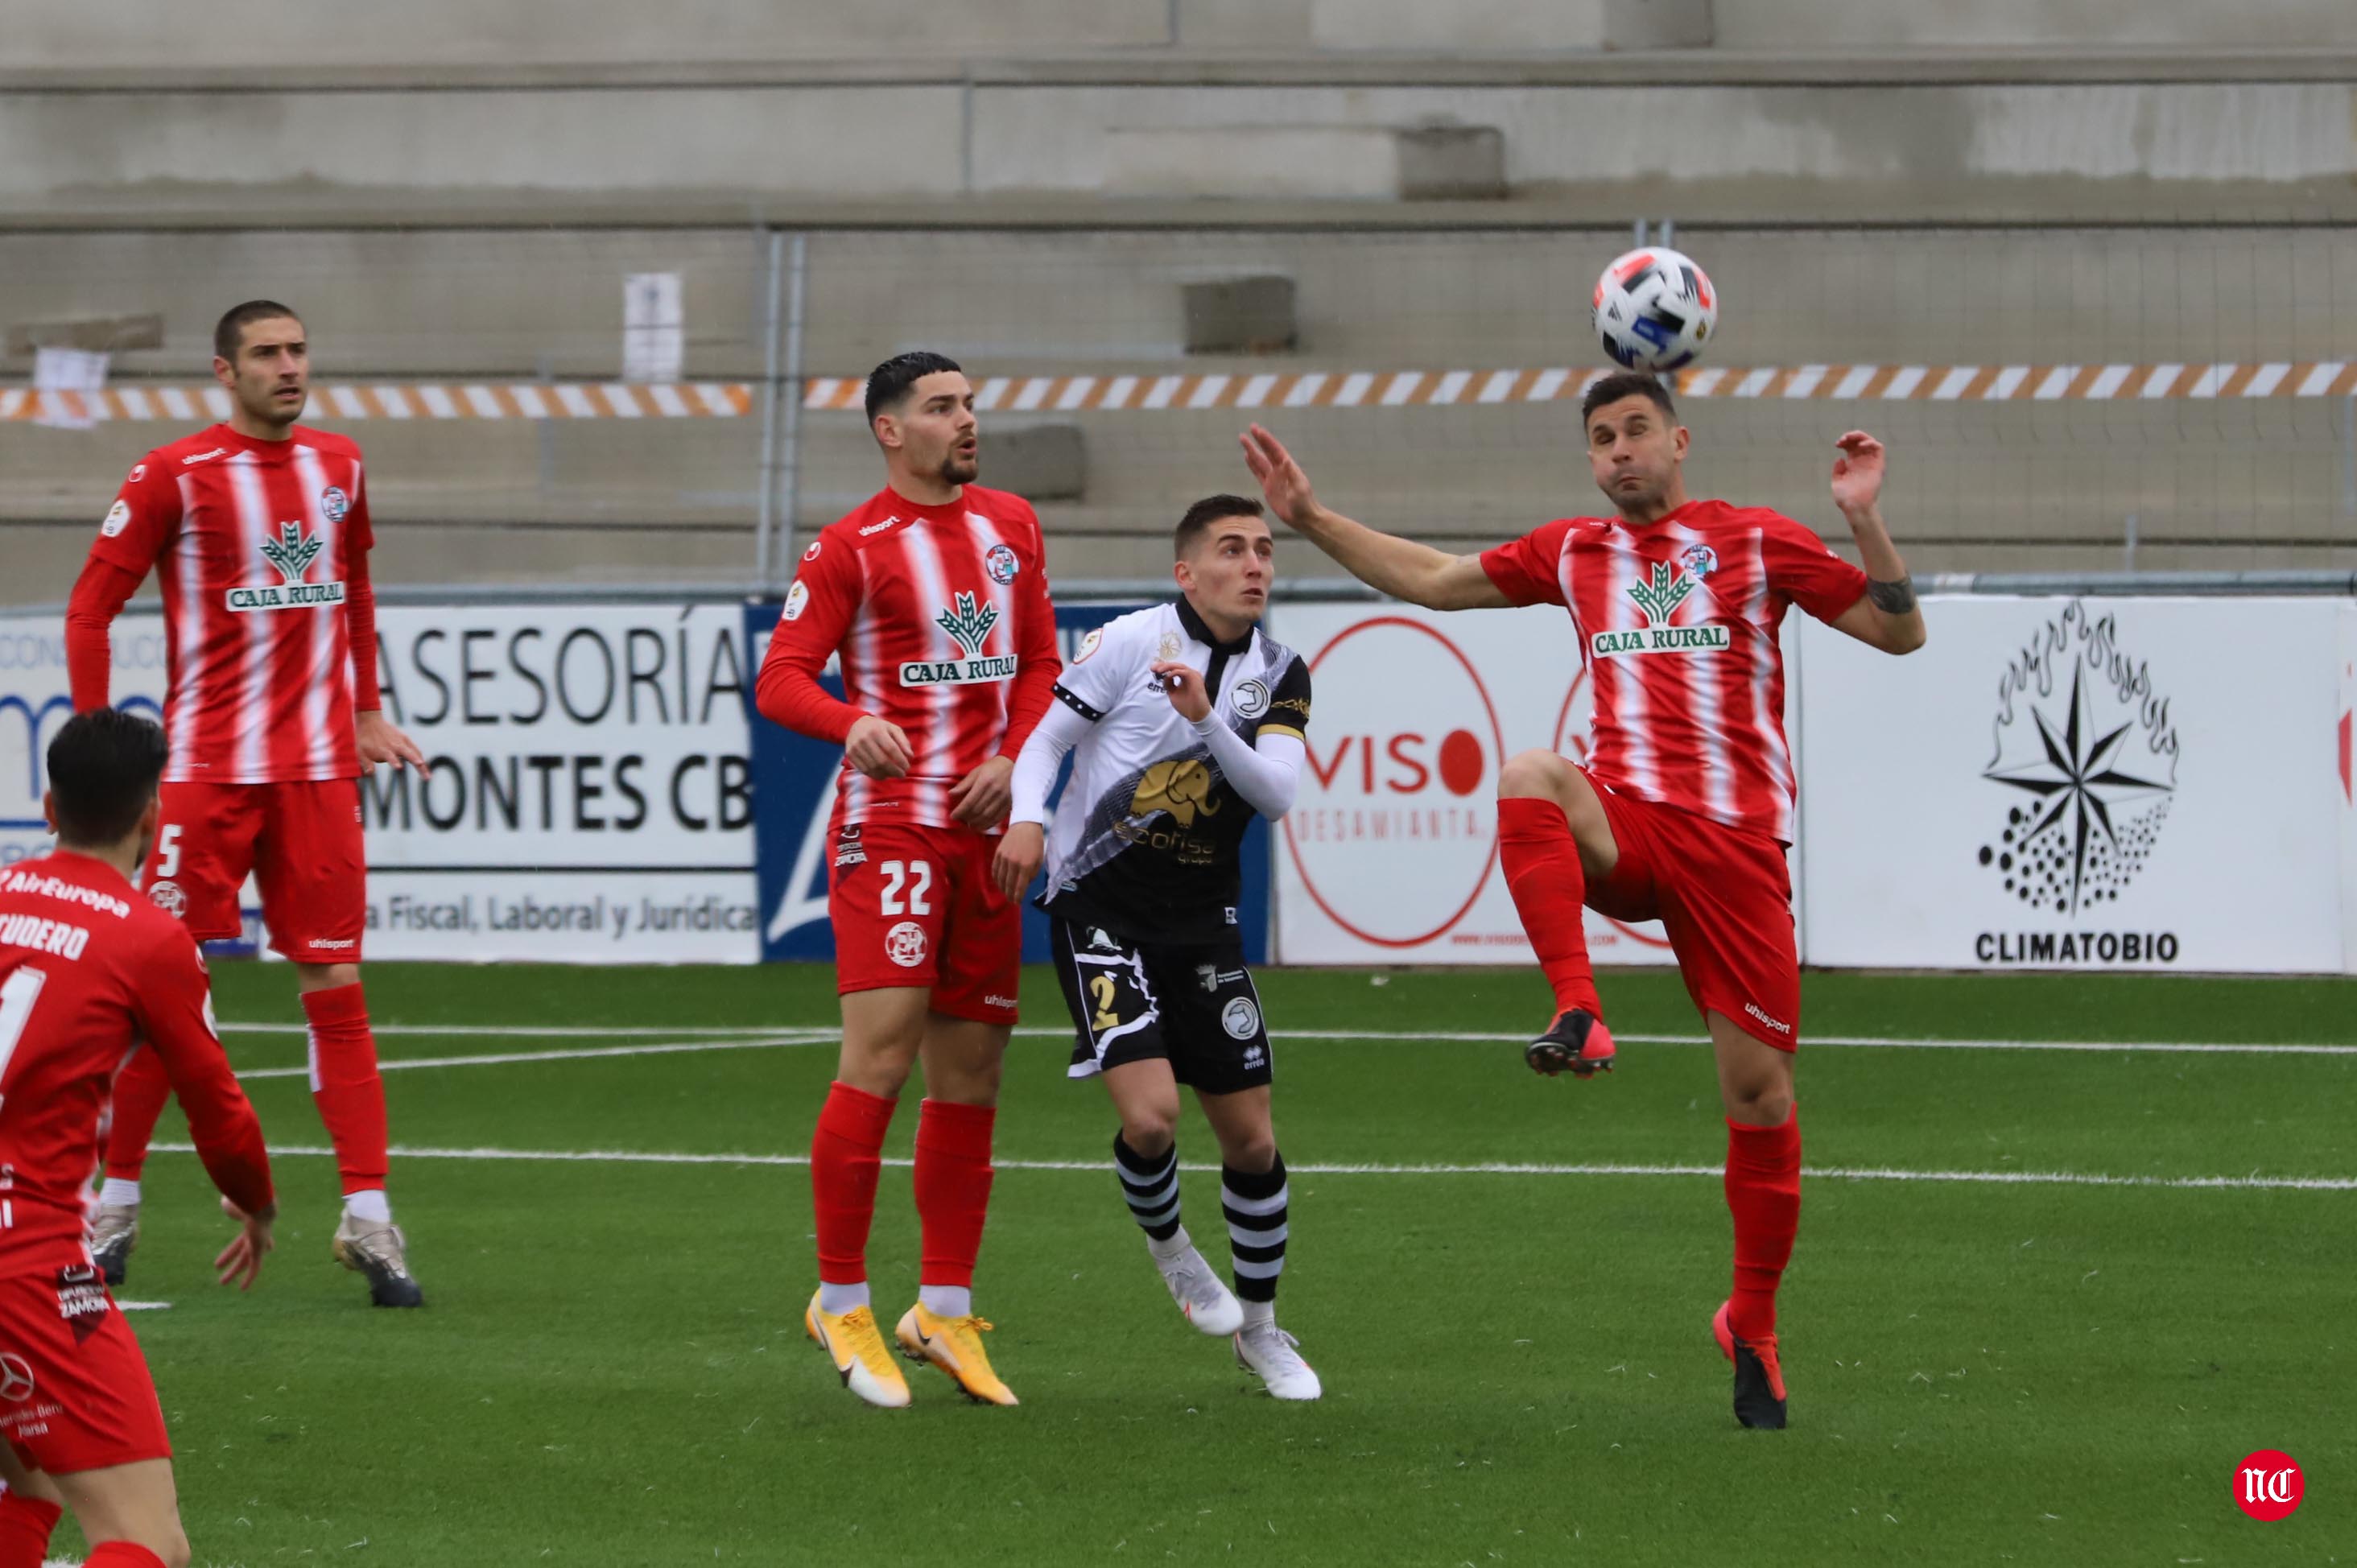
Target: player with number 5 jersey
{"x":933,"y":595}
{"x":259,"y":530}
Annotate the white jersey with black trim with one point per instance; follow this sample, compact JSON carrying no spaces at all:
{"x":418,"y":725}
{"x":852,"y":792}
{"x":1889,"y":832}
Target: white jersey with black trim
{"x":1147,"y":839}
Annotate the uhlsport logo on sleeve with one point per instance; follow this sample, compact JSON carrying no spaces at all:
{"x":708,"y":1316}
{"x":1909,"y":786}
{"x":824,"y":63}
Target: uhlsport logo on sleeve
{"x":1659,"y":600}
{"x":969,"y":625}
{"x":292,"y":553}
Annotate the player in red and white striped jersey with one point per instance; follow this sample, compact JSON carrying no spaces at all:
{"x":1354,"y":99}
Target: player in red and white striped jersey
{"x":259,"y":530}
{"x":935,"y":593}
{"x":1685,"y":809}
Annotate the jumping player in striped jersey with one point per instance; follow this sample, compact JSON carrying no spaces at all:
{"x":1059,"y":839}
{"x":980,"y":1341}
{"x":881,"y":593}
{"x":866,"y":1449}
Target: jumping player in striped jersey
{"x":934,"y":595}
{"x":259,"y":530}
{"x":1685,"y":809}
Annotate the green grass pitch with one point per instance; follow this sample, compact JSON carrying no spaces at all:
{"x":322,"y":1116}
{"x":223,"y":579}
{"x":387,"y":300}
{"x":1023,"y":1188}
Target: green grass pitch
{"x":612,"y":1370}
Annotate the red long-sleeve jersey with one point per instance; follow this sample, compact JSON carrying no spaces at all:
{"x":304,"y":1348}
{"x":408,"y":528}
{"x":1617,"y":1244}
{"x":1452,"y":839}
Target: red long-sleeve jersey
{"x":943,"y":620}
{"x":270,"y":620}
{"x":88,"y":972}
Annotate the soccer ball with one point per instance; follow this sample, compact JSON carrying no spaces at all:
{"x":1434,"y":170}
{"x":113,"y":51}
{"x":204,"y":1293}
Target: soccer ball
{"x":1654,"y":309}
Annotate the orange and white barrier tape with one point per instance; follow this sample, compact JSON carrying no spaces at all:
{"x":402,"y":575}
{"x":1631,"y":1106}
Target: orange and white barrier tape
{"x":1267,"y":389}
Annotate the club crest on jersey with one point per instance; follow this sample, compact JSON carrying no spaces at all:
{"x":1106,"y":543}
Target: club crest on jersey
{"x":334,"y":503}
{"x":968,"y":624}
{"x":292,"y":553}
{"x":1659,"y":600}
{"x":1000,"y":563}
{"x":1700,"y":561}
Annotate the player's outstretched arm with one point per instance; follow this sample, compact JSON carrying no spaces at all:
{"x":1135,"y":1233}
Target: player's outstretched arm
{"x":174,"y":1011}
{"x":1400,"y":567}
{"x":1025,"y":844}
{"x":1888,"y":618}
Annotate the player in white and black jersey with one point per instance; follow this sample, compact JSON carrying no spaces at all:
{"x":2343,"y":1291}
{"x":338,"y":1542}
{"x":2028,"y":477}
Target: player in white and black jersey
{"x":1187,"y":720}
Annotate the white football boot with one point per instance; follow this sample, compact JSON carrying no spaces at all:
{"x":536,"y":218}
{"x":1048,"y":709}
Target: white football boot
{"x":1201,"y":1294}
{"x":1275,"y":1356}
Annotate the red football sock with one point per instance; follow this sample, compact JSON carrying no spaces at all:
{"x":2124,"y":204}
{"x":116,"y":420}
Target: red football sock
{"x":140,"y":1091}
{"x":1763,"y":1193}
{"x":1543,"y":873}
{"x":122,"y":1554}
{"x":952,"y":1181}
{"x":25,"y":1526}
{"x":845,"y":1153}
{"x":346,"y":1085}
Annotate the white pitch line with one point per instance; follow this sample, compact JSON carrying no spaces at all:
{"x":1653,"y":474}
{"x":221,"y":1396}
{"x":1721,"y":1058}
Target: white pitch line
{"x":1100,"y":1167}
{"x":675,"y":1047}
{"x":804,"y":1034}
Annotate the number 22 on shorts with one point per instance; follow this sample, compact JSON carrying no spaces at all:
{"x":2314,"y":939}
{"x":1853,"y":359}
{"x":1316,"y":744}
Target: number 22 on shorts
{"x":908,"y":887}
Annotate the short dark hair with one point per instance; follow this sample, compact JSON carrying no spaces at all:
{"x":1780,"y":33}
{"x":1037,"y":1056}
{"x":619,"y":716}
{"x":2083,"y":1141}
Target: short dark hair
{"x":229,"y":336}
{"x":1622,"y":384}
{"x":103,"y":766}
{"x":1207,"y":512}
{"x":889,"y":384}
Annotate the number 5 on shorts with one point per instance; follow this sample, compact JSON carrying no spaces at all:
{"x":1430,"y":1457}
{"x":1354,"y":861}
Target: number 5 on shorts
{"x":168,"y":852}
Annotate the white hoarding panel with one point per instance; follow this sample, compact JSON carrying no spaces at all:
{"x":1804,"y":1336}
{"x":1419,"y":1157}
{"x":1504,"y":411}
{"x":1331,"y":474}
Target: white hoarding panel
{"x":588,"y":795}
{"x":1389,"y":854}
{"x":2087,"y":785}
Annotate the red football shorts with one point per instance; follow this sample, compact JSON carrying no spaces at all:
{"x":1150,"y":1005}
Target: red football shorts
{"x":915,"y":906}
{"x":74,"y":1390}
{"x":1725,"y":898}
{"x":301,"y":840}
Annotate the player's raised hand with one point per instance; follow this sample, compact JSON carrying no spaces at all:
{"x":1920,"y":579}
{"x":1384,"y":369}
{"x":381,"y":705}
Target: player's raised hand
{"x":1184,"y":686}
{"x":1020,"y":851}
{"x":1857,"y":471}
{"x":980,"y":798}
{"x":1281,"y":482}
{"x":241,"y":1261}
{"x":381,"y":742}
{"x":878,"y":749}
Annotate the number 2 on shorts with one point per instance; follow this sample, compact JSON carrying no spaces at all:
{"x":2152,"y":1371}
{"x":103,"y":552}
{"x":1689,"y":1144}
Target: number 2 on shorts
{"x":899,"y":874}
{"x":1101,"y":987}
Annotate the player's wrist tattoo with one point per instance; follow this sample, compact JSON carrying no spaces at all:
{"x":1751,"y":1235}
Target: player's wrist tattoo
{"x":1892,"y":598}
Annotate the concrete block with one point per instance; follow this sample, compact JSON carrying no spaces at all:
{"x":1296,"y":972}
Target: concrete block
{"x":1659,"y":24}
{"x":1045,"y":462}
{"x":91,"y":334}
{"x":1451,"y":162}
{"x":1252,"y":315}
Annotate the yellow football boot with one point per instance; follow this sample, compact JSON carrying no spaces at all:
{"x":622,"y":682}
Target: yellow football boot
{"x":954,"y":1344}
{"x":855,"y":1345}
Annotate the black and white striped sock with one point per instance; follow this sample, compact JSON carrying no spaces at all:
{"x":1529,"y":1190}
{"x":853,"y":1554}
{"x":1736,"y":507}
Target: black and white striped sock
{"x":1254,"y":1205}
{"x":1151,"y":1188}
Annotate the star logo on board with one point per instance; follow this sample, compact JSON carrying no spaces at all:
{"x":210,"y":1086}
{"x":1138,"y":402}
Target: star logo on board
{"x":2092,"y":773}
{"x":968,"y":623}
{"x":292,"y":552}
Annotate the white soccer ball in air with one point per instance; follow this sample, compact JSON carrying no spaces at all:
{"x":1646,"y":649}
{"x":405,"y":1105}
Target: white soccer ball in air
{"x":1654,"y":309}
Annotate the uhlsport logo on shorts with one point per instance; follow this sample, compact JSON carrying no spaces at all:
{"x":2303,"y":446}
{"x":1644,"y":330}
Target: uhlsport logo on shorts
{"x":904,"y":944}
{"x":2268,"y":1485}
{"x":2084,"y":751}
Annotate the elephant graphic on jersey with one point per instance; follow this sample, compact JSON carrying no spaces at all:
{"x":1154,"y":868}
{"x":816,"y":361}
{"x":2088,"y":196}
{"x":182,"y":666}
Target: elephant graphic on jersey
{"x":1180,"y":786}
